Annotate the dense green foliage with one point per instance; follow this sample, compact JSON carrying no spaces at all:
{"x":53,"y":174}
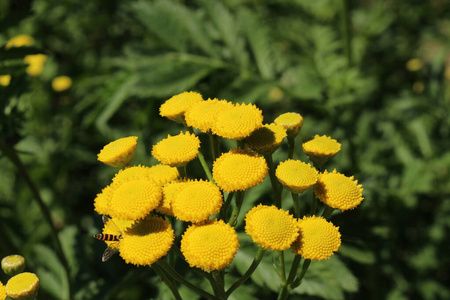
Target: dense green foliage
{"x":341,"y":64}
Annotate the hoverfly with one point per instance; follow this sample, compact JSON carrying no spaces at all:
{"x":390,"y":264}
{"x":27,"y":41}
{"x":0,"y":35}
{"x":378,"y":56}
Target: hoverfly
{"x":112,"y":248}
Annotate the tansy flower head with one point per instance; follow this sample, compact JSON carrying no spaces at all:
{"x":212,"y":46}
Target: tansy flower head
{"x":209,"y":246}
{"x":61,"y":83}
{"x":119,"y":153}
{"x":5,"y":80}
{"x":170,"y":190}
{"x":202,"y":115}
{"x":239,"y":170}
{"x":13,"y":264}
{"x":23,"y":286}
{"x":20,"y":41}
{"x":163,"y":174}
{"x":2,"y":292}
{"x":320,"y":148}
{"x":115,"y":227}
{"x":196,"y":201}
{"x":101,"y":204}
{"x":175,"y":107}
{"x":178,"y":150}
{"x":318,"y":238}
{"x":296,"y":176}
{"x":129,"y":172}
{"x":271,"y":227}
{"x":238,"y":122}
{"x":133,"y":198}
{"x":292,"y":122}
{"x":35,"y":64}
{"x":338,"y":191}
{"x":267,"y":139}
{"x":146,"y":241}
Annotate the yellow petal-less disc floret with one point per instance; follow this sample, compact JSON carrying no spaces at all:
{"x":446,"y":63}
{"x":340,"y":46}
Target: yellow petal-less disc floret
{"x":163,"y":174}
{"x":170,"y":190}
{"x":209,"y":246}
{"x":13,"y":264}
{"x":238,"y":122}
{"x":115,"y":227}
{"x":178,"y":150}
{"x":318,"y":238}
{"x":175,"y":108}
{"x":296,"y":176}
{"x":146,"y":241}
{"x":271,"y":227}
{"x":202,"y":115}
{"x":267,"y":139}
{"x":129,"y":172}
{"x":61,"y":83}
{"x":119,"y":153}
{"x":292,"y":122}
{"x":196,"y":201}
{"x":101,"y":204}
{"x":35,"y":64}
{"x":320,"y":148}
{"x":20,"y":41}
{"x":239,"y":170}
{"x":133,"y":198}
{"x":338,"y":191}
{"x":5,"y":80}
{"x":23,"y":286}
{"x":2,"y":292}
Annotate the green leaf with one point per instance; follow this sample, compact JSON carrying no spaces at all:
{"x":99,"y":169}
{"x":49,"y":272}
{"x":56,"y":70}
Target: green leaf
{"x":68,"y":238}
{"x":358,"y":255}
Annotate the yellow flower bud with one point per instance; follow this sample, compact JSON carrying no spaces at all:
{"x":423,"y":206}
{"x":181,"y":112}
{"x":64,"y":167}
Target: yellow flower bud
{"x":13,"y":264}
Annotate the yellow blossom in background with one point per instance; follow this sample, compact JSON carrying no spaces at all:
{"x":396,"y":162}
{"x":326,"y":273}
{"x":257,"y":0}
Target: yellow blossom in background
{"x":320,"y":148}
{"x":418,"y":87}
{"x":239,"y":170}
{"x":5,"y":80}
{"x":170,"y":190}
{"x":115,"y":227}
{"x":23,"y":286}
{"x":119,"y":153}
{"x":129,"y":172}
{"x":296,"y":175}
{"x":196,"y":201}
{"x":318,"y":238}
{"x":238,"y":122}
{"x":35,"y":64}
{"x":267,"y":139}
{"x":175,"y":108}
{"x":271,"y":227}
{"x":61,"y":83}
{"x":13,"y":264}
{"x":178,"y":150}
{"x":292,"y":122}
{"x":209,"y":246}
{"x":202,"y":115}
{"x":20,"y":41}
{"x":146,"y":241}
{"x":414,"y":64}
{"x":163,"y":174}
{"x":2,"y":292}
{"x":338,"y":191}
{"x":101,"y":204}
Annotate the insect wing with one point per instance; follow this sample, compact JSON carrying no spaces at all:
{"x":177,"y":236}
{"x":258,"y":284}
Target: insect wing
{"x":107,"y":220}
{"x":110,"y":251}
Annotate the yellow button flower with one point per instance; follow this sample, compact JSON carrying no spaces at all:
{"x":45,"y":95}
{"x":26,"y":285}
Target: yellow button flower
{"x":320,"y":148}
{"x":5,"y":80}
{"x":239,"y":170}
{"x":196,"y":201}
{"x":202,"y":115}
{"x":170,"y":190}
{"x":267,"y":139}
{"x":178,"y":150}
{"x":2,"y":292}
{"x":129,"y":172}
{"x":292,"y":122}
{"x":318,"y":238}
{"x":209,"y":246}
{"x":13,"y":264}
{"x":101,"y":204}
{"x":296,"y":176}
{"x":61,"y":83}
{"x":20,"y":41}
{"x":146,"y":241}
{"x":133,"y":198}
{"x":238,"y":122}
{"x":175,"y":108}
{"x":414,"y":64}
{"x":35,"y":64}
{"x":119,"y":153}
{"x":163,"y":174}
{"x":23,"y":286}
{"x":271,"y":227}
{"x":338,"y":191}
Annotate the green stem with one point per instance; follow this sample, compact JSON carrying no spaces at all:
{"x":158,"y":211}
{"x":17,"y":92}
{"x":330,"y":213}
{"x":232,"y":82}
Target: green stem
{"x":220,"y":290}
{"x":224,"y":209}
{"x":294,"y":268}
{"x":346,"y":32}
{"x":240,"y":144}
{"x":274,"y":181}
{"x":205,"y":167}
{"x":258,"y":257}
{"x":237,"y":208}
{"x":290,"y":147}
{"x":296,"y":200}
{"x":214,"y":142}
{"x":327,"y":212}
{"x":313,"y":205}
{"x":163,"y":275}
{"x":182,"y":171}
{"x":299,"y":279}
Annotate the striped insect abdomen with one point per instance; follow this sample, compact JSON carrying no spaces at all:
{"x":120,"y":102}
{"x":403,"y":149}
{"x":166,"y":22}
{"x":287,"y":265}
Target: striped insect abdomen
{"x":107,"y":237}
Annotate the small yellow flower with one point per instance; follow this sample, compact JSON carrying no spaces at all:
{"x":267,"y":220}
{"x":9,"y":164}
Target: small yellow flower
{"x":116,"y":227}
{"x":163,"y":174}
{"x":196,"y":201}
{"x":296,"y":176}
{"x":209,"y":246}
{"x":2,"y":292}
{"x":170,"y":190}
{"x":119,"y":153}
{"x":133,"y":198}
{"x":320,"y":148}
{"x":129,"y":172}
{"x":61,"y":83}
{"x":271,"y":227}
{"x":414,"y":64}
{"x":146,"y":241}
{"x":238,"y":122}
{"x":35,"y":64}
{"x":318,"y":238}
{"x":178,"y":150}
{"x":101,"y":204}
{"x":13,"y":264}
{"x":23,"y":286}
{"x":267,"y":139}
{"x":292,"y":122}
{"x":175,"y":108}
{"x":20,"y":41}
{"x":5,"y":80}
{"x":239,"y":170}
{"x":338,"y":191}
{"x":202,"y":115}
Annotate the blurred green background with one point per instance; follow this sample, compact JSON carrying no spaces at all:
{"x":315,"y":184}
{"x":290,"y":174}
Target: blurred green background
{"x":375,"y":75}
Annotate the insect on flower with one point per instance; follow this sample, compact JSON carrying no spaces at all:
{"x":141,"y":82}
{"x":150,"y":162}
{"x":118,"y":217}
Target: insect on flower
{"x":113,"y":247}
